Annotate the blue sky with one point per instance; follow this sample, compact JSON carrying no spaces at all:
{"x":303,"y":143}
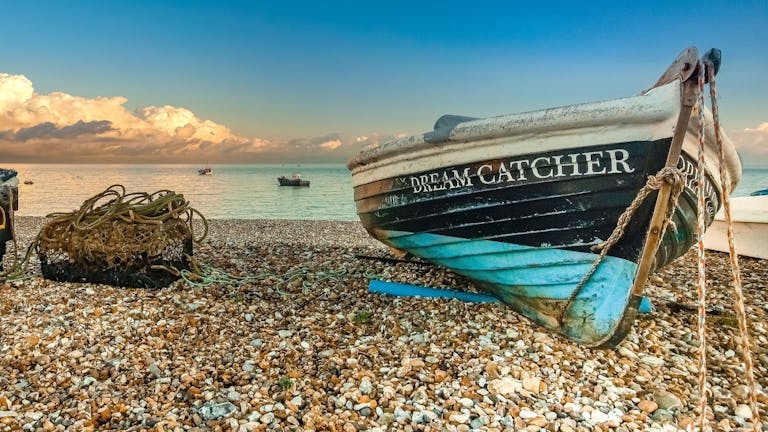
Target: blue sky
{"x":297,"y":74}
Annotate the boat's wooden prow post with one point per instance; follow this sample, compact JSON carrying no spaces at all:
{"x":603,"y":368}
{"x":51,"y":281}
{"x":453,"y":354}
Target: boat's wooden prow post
{"x":681,"y":68}
{"x":689,"y":97}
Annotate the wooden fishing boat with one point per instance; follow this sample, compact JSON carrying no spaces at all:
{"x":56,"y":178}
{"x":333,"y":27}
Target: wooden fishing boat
{"x":9,"y":202}
{"x":519,"y":203}
{"x":205,"y":171}
{"x":749,"y":218}
{"x":294,"y":180}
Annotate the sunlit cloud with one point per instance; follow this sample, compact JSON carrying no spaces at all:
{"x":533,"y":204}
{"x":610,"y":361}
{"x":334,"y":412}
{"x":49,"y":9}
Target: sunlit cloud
{"x":752,"y":144}
{"x":62,"y":127}
{"x":331,"y":145}
{"x":377,"y":138}
{"x":65,"y":128}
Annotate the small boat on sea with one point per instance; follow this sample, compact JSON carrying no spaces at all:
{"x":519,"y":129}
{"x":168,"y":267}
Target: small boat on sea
{"x":28,"y":182}
{"x":759,"y":192}
{"x":8,"y":177}
{"x":205,"y":171}
{"x":524,"y":204}
{"x":293,"y":180}
{"x":749,"y":217}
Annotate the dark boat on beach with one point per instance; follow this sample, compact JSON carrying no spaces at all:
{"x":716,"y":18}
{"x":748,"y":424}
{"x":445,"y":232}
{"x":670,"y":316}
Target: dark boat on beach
{"x":9,"y":202}
{"x":294,"y":180}
{"x":523,"y":204}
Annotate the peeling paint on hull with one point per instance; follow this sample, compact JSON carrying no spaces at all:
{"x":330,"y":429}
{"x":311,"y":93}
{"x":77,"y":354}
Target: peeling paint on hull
{"x":517,"y":203}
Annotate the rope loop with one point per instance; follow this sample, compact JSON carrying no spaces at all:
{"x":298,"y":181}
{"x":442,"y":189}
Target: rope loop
{"x":667,"y":175}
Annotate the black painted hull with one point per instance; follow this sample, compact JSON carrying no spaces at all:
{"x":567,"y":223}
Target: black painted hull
{"x":572,"y":213}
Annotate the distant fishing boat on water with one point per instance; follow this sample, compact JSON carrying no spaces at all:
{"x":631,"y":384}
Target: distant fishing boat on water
{"x":293,"y":180}
{"x":528,"y":205}
{"x":759,"y":192}
{"x":205,"y":171}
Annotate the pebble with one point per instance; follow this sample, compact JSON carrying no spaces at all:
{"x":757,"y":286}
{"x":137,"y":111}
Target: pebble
{"x":460,"y":418}
{"x":217,"y":411}
{"x":648,"y":406}
{"x":743,"y":411}
{"x":366,"y":387}
{"x":667,"y":401}
{"x":298,"y":359}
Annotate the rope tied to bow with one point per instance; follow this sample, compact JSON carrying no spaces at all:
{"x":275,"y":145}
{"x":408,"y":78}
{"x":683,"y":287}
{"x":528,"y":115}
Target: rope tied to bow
{"x":667,"y":175}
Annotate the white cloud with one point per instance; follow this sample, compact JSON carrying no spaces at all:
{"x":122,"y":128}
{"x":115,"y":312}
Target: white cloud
{"x":66,"y":128}
{"x":331,"y":145}
{"x":752,"y":144}
{"x":34,"y":125}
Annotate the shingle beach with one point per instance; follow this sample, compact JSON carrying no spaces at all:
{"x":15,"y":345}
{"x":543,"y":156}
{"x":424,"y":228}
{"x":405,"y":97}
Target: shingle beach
{"x":300,"y":344}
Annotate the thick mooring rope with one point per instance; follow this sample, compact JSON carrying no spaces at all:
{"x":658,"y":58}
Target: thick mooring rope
{"x":135,"y":207}
{"x":702,"y":282}
{"x":746,"y":351}
{"x":113,"y":205}
{"x":670,"y":175}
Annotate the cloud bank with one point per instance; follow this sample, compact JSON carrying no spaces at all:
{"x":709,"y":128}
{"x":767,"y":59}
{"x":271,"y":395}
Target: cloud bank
{"x":752,"y":145}
{"x":59,"y":127}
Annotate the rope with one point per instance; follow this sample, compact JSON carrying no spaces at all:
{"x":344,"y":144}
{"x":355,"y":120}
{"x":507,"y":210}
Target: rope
{"x":701,"y":283}
{"x":203,"y":276}
{"x":670,"y":175}
{"x":135,"y":207}
{"x":116,"y":206}
{"x":746,"y":352}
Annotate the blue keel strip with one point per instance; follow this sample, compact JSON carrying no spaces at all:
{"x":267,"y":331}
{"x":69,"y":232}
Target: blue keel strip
{"x":536,"y":281}
{"x":398,"y":289}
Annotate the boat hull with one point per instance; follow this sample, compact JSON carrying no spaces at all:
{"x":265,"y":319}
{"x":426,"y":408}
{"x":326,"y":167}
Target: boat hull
{"x":283,"y":181}
{"x":750,"y":228}
{"x":518,"y":203}
{"x":9,"y":202}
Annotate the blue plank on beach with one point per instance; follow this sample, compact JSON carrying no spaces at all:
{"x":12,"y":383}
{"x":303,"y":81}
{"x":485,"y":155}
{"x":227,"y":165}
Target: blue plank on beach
{"x":406,"y":290}
{"x":398,"y":289}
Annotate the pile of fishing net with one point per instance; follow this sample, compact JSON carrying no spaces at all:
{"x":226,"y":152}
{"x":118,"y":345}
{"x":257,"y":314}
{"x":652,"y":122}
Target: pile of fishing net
{"x":126,"y":239}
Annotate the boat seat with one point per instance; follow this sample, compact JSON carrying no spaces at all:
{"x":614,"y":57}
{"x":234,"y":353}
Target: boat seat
{"x":443,"y":127}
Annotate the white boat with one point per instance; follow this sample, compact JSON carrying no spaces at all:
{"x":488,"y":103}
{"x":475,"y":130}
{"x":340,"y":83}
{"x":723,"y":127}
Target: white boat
{"x":750,"y":227}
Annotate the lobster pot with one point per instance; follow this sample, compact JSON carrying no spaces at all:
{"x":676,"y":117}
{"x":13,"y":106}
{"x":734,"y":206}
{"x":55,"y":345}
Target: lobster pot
{"x":119,"y":253}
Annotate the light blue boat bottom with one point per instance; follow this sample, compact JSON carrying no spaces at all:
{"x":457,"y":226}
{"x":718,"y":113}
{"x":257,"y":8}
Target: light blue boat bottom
{"x":537,"y":282}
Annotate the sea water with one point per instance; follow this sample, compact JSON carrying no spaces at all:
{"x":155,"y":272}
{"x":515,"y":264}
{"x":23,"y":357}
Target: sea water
{"x":231,"y":192}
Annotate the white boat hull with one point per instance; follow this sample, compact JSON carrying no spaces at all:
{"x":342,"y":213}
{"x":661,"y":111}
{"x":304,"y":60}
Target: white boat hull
{"x":750,"y":228}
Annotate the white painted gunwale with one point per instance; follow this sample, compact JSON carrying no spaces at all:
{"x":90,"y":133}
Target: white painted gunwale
{"x":647,"y":117}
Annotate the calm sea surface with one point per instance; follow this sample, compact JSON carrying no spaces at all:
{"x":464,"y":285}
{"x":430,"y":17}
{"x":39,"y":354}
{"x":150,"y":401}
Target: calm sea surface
{"x":232,"y":192}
